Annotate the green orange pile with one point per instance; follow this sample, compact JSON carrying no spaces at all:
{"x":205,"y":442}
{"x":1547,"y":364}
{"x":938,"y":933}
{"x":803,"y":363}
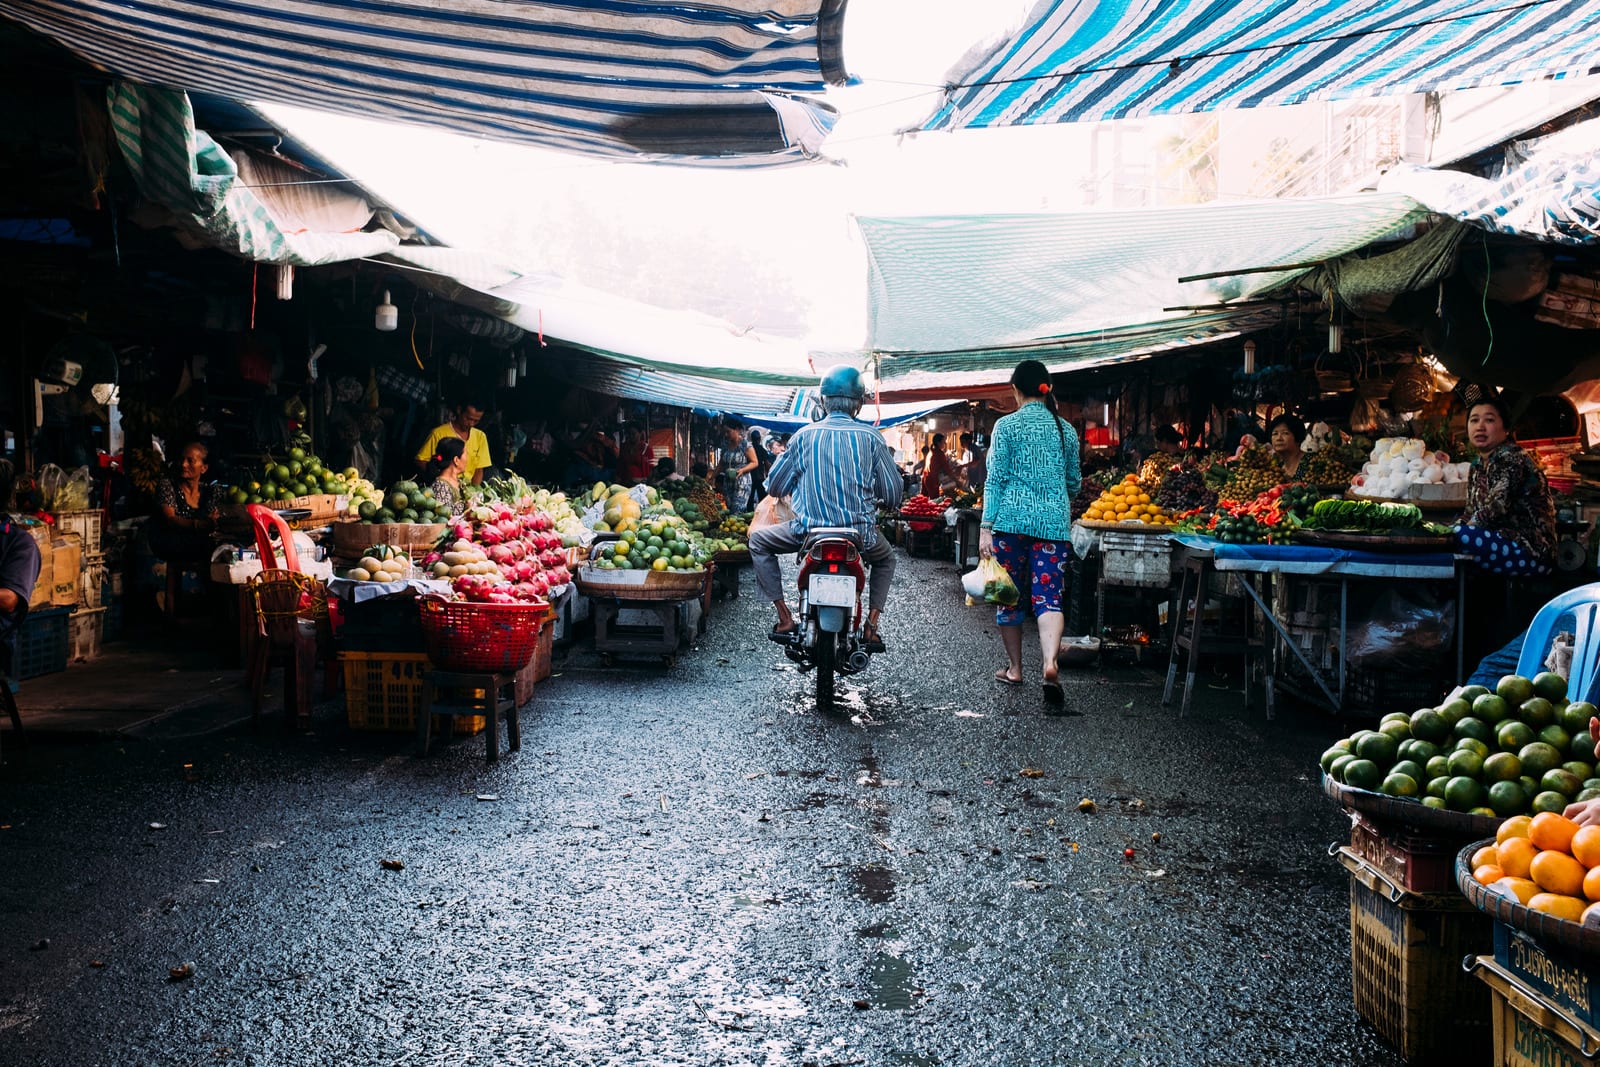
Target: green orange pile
{"x":1521,"y":748}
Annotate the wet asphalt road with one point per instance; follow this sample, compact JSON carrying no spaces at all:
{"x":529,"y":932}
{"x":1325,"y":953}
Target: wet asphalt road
{"x":692,"y":866}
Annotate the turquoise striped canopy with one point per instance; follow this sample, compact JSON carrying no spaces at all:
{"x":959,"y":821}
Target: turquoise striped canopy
{"x":710,"y":82}
{"x":1090,"y":60}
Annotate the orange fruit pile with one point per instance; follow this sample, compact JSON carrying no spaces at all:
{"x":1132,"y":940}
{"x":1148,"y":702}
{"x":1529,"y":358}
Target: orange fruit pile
{"x":1547,"y":862}
{"x":1127,"y":501}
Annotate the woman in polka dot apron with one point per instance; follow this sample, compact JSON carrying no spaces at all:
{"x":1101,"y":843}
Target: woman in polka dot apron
{"x":1509,"y":526}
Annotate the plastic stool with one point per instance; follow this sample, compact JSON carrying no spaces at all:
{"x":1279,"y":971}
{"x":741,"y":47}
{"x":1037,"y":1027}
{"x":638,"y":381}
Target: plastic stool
{"x":463,"y":693}
{"x":1582,"y":603}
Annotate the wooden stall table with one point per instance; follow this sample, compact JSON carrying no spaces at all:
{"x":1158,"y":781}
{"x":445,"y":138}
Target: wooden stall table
{"x":1338,"y":559}
{"x":652,"y":594}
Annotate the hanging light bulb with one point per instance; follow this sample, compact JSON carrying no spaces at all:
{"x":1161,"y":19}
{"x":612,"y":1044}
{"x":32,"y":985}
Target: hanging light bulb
{"x":511,"y":376}
{"x":1335,"y":337}
{"x":1249,"y":357}
{"x":388,"y":316}
{"x":522,"y":364}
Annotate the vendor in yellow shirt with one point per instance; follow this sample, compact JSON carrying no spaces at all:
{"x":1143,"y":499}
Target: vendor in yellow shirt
{"x":463,"y":424}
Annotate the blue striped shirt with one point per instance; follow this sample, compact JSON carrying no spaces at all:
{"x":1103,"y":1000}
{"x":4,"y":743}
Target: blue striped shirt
{"x":835,"y":471}
{"x":1033,"y":474}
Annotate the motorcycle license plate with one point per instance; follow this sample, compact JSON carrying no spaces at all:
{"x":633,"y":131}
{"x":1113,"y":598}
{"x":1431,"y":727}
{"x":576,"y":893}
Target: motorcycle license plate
{"x":832,"y":591}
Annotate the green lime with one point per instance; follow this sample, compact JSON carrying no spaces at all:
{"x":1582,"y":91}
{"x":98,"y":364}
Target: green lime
{"x":1549,"y":800}
{"x":1537,"y":712}
{"x":1491,"y":708}
{"x":1576,"y":715}
{"x":295,"y":467}
{"x":1411,"y":769}
{"x":1429,"y":725}
{"x":1513,"y":734}
{"x":1462,"y":793}
{"x":1379,"y":748}
{"x":1438,"y":767}
{"x":1502,"y":767}
{"x":1362,"y":773}
{"x":1473,"y":727}
{"x":1472,"y":692}
{"x":1506,"y":798}
{"x":1537,"y":758}
{"x":367,"y":510}
{"x":1562,"y":781}
{"x":1399,"y":729}
{"x":1550,"y":685}
{"x":1466,"y":762}
{"x":1436,"y":785}
{"x":1423,"y":751}
{"x":1484,"y":810}
{"x":1393,"y":716}
{"x":297,"y":453}
{"x":1452,"y":710}
{"x":1472,"y":744}
{"x":1514,"y":688}
{"x":1400,"y":785}
{"x":280,"y":474}
{"x":1587,"y":794}
{"x":1432,"y":801}
{"x":1556,"y":737}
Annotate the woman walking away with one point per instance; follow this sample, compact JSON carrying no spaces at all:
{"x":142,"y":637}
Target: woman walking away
{"x":1027,"y":521}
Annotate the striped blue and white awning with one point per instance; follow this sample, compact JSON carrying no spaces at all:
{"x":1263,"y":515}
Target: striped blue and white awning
{"x":712,"y":82}
{"x":1090,"y":60}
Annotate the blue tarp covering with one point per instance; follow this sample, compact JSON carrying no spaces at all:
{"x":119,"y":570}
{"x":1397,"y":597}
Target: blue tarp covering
{"x":1092,"y":60}
{"x":1316,"y":559}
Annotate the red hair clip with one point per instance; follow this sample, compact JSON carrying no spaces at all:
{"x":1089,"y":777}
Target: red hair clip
{"x":1044,"y":387}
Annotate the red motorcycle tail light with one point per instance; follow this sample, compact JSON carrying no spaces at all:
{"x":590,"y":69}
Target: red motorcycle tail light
{"x":835,"y":551}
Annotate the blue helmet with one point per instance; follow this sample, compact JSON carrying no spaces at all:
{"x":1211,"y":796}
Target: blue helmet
{"x":843,"y":380}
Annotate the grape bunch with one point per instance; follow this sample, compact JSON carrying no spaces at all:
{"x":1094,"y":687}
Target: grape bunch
{"x":1327,"y":467}
{"x":1184,"y":488}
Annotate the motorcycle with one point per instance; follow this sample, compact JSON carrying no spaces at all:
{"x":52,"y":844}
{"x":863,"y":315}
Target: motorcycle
{"x":828,"y":639}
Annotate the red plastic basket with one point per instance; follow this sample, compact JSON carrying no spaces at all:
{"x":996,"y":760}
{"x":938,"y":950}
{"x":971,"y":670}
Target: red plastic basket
{"x":490,"y":638}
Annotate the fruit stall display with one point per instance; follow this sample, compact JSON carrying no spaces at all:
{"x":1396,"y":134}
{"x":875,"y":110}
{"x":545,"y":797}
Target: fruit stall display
{"x":297,"y":477}
{"x":924,"y":512}
{"x":1127,"y":501}
{"x":1521,"y":748}
{"x":1397,"y":463}
{"x":381,"y":563}
{"x":404,"y":502}
{"x":508,"y":548}
{"x":1545,"y":862}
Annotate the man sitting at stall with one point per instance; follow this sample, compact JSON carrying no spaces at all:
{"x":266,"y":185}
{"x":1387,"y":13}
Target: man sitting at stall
{"x":19,"y":570}
{"x":835,"y":472}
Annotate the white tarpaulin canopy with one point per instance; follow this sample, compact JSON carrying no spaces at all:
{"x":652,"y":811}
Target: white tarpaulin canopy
{"x":965,"y":292}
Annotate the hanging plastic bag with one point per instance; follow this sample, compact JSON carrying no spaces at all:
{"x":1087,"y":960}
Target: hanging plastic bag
{"x":989,"y":583}
{"x":770,"y":512}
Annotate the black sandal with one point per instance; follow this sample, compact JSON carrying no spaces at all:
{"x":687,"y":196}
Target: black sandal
{"x":784,"y":637}
{"x":871,"y":642}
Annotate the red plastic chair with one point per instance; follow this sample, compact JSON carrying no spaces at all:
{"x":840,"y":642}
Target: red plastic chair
{"x":264,"y":520}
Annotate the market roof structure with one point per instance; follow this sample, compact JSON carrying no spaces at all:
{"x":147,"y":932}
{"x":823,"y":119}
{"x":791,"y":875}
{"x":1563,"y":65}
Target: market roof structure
{"x":1092,"y":60}
{"x":722,"y":83}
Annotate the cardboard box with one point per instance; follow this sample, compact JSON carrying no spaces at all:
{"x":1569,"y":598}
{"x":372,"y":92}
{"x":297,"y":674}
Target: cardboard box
{"x":43,"y":587}
{"x":66,"y":561}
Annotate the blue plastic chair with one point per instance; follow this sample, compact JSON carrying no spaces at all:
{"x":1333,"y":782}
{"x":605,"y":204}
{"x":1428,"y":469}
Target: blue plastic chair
{"x":1582,"y":603}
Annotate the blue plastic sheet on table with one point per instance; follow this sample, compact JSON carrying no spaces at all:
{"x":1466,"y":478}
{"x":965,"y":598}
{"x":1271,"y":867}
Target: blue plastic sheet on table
{"x":1319,"y":559}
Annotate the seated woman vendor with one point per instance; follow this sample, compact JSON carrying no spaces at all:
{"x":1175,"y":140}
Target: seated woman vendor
{"x":1509,"y":526}
{"x":186,"y":511}
{"x":443,"y":473}
{"x":1284,"y":435}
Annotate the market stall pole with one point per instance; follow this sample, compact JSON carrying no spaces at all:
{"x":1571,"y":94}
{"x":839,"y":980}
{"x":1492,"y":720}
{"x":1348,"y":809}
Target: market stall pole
{"x":1342,"y":565}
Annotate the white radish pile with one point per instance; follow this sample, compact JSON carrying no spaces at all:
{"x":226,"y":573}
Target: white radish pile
{"x":1399,"y":462}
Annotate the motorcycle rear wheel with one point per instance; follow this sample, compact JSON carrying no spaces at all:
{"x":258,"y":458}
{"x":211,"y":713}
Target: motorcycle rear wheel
{"x":823,"y":658}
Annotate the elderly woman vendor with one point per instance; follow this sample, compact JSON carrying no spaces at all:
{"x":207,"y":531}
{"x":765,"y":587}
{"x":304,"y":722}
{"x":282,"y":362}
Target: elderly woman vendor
{"x":1509,"y":526}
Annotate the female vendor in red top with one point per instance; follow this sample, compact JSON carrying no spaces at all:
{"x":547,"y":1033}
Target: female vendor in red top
{"x":1509,"y":526}
{"x":938,"y":471}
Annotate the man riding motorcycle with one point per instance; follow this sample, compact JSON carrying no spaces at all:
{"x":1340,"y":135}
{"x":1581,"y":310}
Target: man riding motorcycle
{"x":835,"y":471}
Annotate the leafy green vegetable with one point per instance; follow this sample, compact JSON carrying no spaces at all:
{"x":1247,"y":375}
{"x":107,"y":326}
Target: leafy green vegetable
{"x":1364,"y":516}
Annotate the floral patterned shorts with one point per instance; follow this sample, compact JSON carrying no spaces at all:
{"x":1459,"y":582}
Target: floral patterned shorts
{"x":1038,"y":568}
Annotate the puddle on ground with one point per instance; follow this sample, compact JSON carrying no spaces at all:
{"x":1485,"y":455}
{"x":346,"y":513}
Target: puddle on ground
{"x":878,"y":930}
{"x":914,"y":1059}
{"x":813,"y":801}
{"x":889,"y":982}
{"x":959,"y":948}
{"x":809,"y":774}
{"x":872,"y":883}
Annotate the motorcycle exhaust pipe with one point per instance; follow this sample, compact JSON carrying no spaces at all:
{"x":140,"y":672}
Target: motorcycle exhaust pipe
{"x":858,"y":660}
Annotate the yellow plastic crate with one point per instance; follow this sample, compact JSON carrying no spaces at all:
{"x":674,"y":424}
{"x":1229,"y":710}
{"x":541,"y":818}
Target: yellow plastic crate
{"x":383,"y":691}
{"x":1529,"y":1030}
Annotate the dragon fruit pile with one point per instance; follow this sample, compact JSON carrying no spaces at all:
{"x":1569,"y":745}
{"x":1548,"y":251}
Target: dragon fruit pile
{"x":520,"y":542}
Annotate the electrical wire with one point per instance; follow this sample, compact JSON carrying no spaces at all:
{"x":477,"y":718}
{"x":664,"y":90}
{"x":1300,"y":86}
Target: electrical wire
{"x":1490,"y":350}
